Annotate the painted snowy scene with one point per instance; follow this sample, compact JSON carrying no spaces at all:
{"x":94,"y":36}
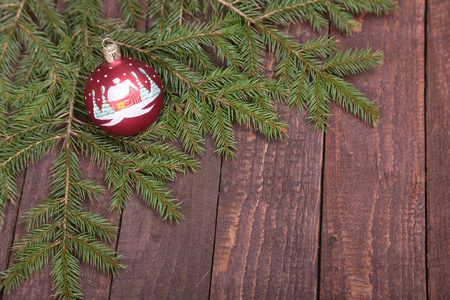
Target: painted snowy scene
{"x":125,"y":100}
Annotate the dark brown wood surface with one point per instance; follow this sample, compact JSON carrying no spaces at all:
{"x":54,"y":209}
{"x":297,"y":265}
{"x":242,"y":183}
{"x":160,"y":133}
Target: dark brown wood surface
{"x":373,"y":230}
{"x":34,"y":190}
{"x":268,"y":218}
{"x":354,"y":213}
{"x":167,"y":261}
{"x":438,"y":148}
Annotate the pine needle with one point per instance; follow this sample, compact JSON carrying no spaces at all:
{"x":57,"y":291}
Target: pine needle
{"x":213,"y":75}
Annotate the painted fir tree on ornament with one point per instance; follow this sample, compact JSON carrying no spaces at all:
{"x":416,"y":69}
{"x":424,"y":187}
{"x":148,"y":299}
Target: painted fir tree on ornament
{"x":124,"y":97}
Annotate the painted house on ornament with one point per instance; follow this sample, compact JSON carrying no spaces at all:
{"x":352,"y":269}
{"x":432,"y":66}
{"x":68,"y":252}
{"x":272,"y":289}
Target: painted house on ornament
{"x":123,"y":94}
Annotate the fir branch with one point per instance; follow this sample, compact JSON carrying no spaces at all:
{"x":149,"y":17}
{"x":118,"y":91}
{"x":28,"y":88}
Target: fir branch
{"x":157,"y":9}
{"x":195,"y":36}
{"x":145,"y":144}
{"x":17,"y":17}
{"x":11,"y":29}
{"x":88,"y":190}
{"x":353,"y":100}
{"x":236,"y":10}
{"x":353,"y":62}
{"x":181,"y":12}
{"x":350,"y":62}
{"x":202,"y":96}
{"x":26,"y":265}
{"x":317,"y":107}
{"x":254,"y":60}
{"x":53,"y":17}
{"x":226,"y":50}
{"x":38,"y":215}
{"x":24,"y":154}
{"x":286,"y":8}
{"x":8,"y":5}
{"x":122,"y":192}
{"x":4,"y":95}
{"x":370,"y":6}
{"x":36,"y":236}
{"x":153,"y":195}
{"x":8,"y":191}
{"x":66,"y":273}
{"x":131,"y":11}
{"x":249,"y":112}
{"x":63,"y":258}
{"x":41,"y":43}
{"x":190,"y":134}
{"x":341,"y":18}
{"x":300,"y":90}
{"x":96,"y":254}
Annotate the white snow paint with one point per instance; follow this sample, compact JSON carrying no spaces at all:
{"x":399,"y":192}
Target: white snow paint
{"x":121,"y":90}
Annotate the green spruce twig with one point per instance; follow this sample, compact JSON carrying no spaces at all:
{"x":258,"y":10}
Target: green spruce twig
{"x":46,"y":56}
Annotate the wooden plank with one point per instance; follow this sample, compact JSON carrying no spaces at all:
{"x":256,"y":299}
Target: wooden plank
{"x":268,"y":217}
{"x":269,"y":213}
{"x":8,"y":227}
{"x":111,"y":9}
{"x":7,"y":233}
{"x":438,"y":148}
{"x":34,"y":191}
{"x":167,"y":261}
{"x":373,"y":234}
{"x":96,"y":284}
{"x":11,"y":230}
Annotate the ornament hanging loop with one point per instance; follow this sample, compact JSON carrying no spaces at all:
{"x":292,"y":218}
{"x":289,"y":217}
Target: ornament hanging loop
{"x":111,"y":51}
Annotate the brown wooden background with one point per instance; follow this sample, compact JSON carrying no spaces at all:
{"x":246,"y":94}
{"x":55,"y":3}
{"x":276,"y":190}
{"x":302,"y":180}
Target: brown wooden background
{"x":354,"y":213}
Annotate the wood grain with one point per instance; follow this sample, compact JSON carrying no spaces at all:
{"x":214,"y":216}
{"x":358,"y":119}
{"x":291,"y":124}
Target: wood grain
{"x":268,"y":217}
{"x":266,"y":246}
{"x":171,"y":261}
{"x":96,"y":284}
{"x":10,"y":215}
{"x":34,"y":191}
{"x":373,"y":231}
{"x":438,"y":148}
{"x":269,"y":213}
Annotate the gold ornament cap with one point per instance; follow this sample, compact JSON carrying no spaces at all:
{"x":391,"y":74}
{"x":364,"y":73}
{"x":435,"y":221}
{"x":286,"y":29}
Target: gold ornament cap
{"x":111,"y":51}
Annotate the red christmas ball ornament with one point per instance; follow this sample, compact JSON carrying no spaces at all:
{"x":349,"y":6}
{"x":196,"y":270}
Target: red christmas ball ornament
{"x":123,"y":96}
